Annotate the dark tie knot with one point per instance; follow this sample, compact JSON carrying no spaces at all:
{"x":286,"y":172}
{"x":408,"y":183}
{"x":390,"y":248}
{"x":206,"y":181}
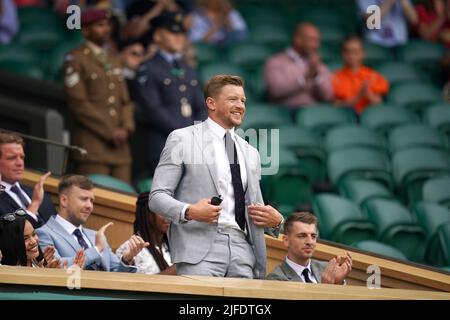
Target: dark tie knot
{"x":305,"y":274}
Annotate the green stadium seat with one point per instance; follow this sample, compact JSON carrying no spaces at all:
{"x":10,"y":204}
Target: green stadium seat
{"x":359,"y":163}
{"x":19,"y":53}
{"x":438,"y":116}
{"x":416,"y":135}
{"x":383,"y":118}
{"x":398,"y":72}
{"x":341,"y":220}
{"x":380,"y":248}
{"x":286,"y":210}
{"x":413,"y":166}
{"x":352,"y":135}
{"x":209,"y":70}
{"x":329,"y":52}
{"x":111,"y":183}
{"x":206,"y":53}
{"x":26,"y":69}
{"x":290,"y":185}
{"x":331,"y":35}
{"x":430,"y":216}
{"x":422,"y":53}
{"x":322,"y":117}
{"x":361,"y":190}
{"x":265,"y":116}
{"x":145,"y":185}
{"x":248,"y":55}
{"x":396,"y":227}
{"x":270,"y":35}
{"x":438,"y":252}
{"x":306,"y":145}
{"x":416,"y":96}
{"x":41,"y":37}
{"x":375,"y":54}
{"x":437,"y":190}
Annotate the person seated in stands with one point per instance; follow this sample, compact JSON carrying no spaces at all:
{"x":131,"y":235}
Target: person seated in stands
{"x":215,"y":21}
{"x":300,"y":237}
{"x":19,"y":244}
{"x":434,"y":20}
{"x":356,"y":85}
{"x":66,"y":231}
{"x":297,"y":77}
{"x":153,"y":229}
{"x":394,"y":15}
{"x":37,"y":203}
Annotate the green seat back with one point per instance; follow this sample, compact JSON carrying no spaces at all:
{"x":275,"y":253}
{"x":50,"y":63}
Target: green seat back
{"x":415,"y":135}
{"x":398,"y":72}
{"x":145,"y":185}
{"x":361,"y":190}
{"x":438,"y":116}
{"x":430,"y":216}
{"x":380,"y":248}
{"x":111,"y":183}
{"x":347,"y":136}
{"x":438,"y":251}
{"x":264,"y":116}
{"x":437,"y":190}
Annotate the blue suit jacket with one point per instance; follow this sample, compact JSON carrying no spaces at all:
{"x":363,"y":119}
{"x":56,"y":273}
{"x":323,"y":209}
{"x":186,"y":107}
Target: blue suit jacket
{"x":52,"y":233}
{"x":46,"y":210}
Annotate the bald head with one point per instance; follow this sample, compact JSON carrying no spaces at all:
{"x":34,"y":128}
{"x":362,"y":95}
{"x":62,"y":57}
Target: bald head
{"x":306,"y":39}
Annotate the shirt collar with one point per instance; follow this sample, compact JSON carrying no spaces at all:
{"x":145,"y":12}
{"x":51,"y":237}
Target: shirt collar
{"x":8,"y":186}
{"x":169,"y":57}
{"x":294,"y":55}
{"x":95,"y":48}
{"x":218,"y":130}
{"x":69,"y":227}
{"x":297,"y":267}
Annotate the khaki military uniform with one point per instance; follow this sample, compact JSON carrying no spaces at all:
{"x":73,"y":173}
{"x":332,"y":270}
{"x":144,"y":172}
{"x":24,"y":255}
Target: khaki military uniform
{"x":98,"y":98}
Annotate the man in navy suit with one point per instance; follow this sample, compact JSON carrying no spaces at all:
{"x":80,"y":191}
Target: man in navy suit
{"x":166,"y":90}
{"x":12,"y":165}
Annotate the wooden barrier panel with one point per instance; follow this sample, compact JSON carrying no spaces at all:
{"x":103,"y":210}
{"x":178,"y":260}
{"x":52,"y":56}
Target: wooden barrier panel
{"x":124,"y":284}
{"x":119,"y":208}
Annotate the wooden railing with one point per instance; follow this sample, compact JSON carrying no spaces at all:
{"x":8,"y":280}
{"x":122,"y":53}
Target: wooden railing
{"x":119,"y":208}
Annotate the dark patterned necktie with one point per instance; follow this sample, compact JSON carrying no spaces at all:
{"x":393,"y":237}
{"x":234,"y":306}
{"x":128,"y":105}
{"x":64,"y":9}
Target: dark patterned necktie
{"x":81,"y":241}
{"x":239,"y":195}
{"x":19,"y":193}
{"x":305,"y":273}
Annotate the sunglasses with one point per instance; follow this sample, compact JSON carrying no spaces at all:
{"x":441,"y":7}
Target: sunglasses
{"x":10,"y":217}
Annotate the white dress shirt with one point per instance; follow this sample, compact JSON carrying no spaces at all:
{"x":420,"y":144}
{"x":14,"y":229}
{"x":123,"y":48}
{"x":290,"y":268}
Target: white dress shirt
{"x":299,"y":269}
{"x":70,"y":228}
{"x":16,"y":198}
{"x":227,"y":216}
{"x":144,"y":261}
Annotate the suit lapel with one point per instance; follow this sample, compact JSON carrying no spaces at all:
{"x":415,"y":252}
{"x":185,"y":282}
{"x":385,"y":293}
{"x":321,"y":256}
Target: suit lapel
{"x":57,"y":228}
{"x":203,"y":139}
{"x":317,"y":270}
{"x":5,"y":196}
{"x":290,"y":273}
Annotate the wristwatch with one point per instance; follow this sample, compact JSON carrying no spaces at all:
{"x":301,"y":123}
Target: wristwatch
{"x":186,"y":214}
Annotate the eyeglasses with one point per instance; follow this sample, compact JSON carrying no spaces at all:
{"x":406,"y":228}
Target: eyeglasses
{"x":10,"y":217}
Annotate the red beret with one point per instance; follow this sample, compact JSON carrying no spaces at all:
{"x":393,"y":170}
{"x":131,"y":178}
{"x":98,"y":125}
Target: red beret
{"x":93,"y":15}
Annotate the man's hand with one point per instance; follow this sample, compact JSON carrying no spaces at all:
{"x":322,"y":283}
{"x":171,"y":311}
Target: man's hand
{"x":100,"y":239}
{"x":38,"y":194}
{"x":314,"y":64}
{"x":343,"y":268}
{"x":80,"y":259}
{"x":120,"y":136}
{"x":204,"y":211}
{"x":329,"y":274}
{"x":265,"y":216}
{"x":136,"y":244}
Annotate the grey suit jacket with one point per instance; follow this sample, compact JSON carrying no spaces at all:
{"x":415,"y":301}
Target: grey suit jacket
{"x":185,"y":174}
{"x":284,"y":272}
{"x":66,"y":247}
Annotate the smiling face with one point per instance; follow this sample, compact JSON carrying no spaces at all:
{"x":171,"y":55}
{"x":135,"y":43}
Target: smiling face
{"x":31,"y":241}
{"x":76,"y":205}
{"x":12,"y":162}
{"x":227,"y":106}
{"x":301,"y":242}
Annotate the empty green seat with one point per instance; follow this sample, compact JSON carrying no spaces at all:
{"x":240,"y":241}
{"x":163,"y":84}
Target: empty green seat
{"x":41,"y":37}
{"x":437,"y":190}
{"x":398,"y":72}
{"x":272,"y":35}
{"x":290,"y":185}
{"x":380,"y":248}
{"x":416,"y":96}
{"x":264,"y":116}
{"x":19,"y":53}
{"x":21,"y":68}
{"x":415,"y":135}
{"x":209,"y":70}
{"x":420,"y":52}
{"x":376,"y":54}
{"x":359,"y":162}
{"x":396,"y":227}
{"x":321,"y":118}
{"x":306,"y":146}
{"x":411,"y":167}
{"x":347,"y":136}
{"x":341,"y":220}
{"x":438,"y":116}
{"x":383,"y":118}
{"x":111,"y":183}
{"x":248,"y":55}
{"x":430,"y":216}
{"x":206,"y":53}
{"x":438,"y":252}
{"x":361,"y":190}
{"x":145,"y":185}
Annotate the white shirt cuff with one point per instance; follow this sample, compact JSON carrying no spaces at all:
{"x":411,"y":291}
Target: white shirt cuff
{"x":33,"y":215}
{"x":183,"y":211}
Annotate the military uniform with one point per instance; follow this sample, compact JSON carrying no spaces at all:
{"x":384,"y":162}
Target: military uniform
{"x":168,"y":97}
{"x":99,"y":101}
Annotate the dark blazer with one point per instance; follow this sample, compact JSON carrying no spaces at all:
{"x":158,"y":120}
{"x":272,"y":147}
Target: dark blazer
{"x":46,"y":210}
{"x":284,"y":272}
{"x":159,"y":94}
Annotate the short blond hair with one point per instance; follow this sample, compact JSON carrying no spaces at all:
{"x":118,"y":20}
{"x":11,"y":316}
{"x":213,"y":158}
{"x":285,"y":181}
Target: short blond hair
{"x":216,"y":83}
{"x":8,"y":137}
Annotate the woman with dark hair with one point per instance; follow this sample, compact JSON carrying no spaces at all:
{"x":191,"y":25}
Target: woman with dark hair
{"x":19,"y":244}
{"x":152,"y":227}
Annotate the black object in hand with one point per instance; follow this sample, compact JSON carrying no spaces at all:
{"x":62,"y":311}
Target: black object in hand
{"x":216,"y":200}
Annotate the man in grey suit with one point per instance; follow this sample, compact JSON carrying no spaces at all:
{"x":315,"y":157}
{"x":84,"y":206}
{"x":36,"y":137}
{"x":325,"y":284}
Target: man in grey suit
{"x":65,"y":231}
{"x":209,"y":160}
{"x":300,"y":239}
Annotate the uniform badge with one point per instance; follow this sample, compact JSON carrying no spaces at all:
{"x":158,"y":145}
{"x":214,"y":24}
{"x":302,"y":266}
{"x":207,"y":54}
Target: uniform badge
{"x":72,"y":79}
{"x":186,"y":109}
